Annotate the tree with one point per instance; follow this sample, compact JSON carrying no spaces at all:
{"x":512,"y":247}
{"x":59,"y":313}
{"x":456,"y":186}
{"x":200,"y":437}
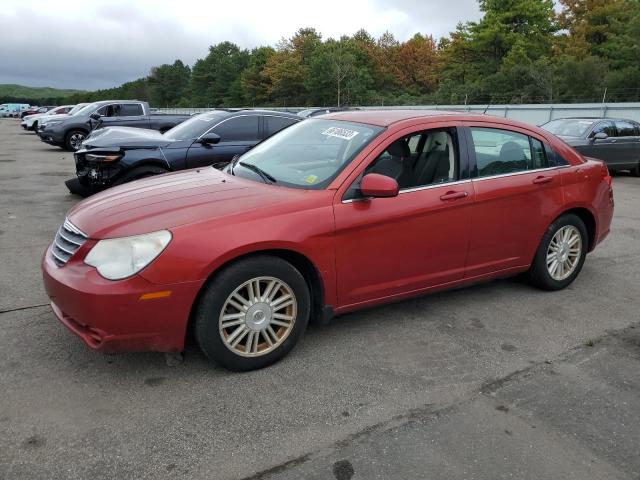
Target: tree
{"x":169,"y":83}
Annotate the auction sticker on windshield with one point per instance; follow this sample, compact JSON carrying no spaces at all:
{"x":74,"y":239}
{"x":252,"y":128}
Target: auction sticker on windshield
{"x":343,"y":133}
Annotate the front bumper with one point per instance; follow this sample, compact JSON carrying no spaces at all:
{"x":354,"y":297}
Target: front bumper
{"x":109,"y":316}
{"x":50,"y":135}
{"x":96,"y":174}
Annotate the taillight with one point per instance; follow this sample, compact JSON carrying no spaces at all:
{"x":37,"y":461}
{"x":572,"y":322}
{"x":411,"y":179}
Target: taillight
{"x":605,"y":173}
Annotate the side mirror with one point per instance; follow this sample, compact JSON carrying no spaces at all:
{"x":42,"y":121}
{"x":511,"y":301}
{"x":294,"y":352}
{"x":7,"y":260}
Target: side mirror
{"x":600,"y":136}
{"x":378,"y":186}
{"x":209,"y":138}
{"x":95,"y":116}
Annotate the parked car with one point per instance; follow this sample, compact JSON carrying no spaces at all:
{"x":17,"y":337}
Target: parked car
{"x":59,"y":116}
{"x":616,"y":141}
{"x":330,"y":215}
{"x":116,"y":155}
{"x":314,"y":112}
{"x":13,"y":110}
{"x":30,"y":122}
{"x":69,"y":133}
{"x":33,"y":109}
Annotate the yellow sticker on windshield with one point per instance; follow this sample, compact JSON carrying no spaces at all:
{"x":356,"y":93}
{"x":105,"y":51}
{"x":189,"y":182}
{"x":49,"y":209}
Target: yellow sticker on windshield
{"x":311,"y":179}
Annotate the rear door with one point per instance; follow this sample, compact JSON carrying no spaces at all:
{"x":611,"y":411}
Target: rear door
{"x":517,"y":192}
{"x":237,"y":135}
{"x":628,"y":142}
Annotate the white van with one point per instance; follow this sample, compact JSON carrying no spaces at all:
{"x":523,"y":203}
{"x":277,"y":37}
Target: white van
{"x":12,"y":109}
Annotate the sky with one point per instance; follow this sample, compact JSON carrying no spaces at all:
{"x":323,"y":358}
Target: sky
{"x":104,"y":43}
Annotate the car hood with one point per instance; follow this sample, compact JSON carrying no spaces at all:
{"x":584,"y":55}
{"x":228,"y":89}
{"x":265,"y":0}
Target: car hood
{"x":57,"y":116}
{"x":125,"y":137}
{"x":181,"y":198}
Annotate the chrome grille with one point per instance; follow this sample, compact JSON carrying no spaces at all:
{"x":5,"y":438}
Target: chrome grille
{"x":68,"y":240}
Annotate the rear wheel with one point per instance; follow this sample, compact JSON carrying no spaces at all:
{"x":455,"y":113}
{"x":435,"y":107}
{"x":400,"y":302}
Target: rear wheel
{"x":561,"y":253}
{"x":73,"y":140}
{"x":636,"y":171}
{"x":252,"y":313}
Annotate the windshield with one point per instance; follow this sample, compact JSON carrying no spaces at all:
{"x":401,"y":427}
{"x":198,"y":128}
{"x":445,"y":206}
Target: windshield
{"x":308,"y":154}
{"x":77,"y":108}
{"x":88,"y":109}
{"x":194,"y":126}
{"x":569,"y":128}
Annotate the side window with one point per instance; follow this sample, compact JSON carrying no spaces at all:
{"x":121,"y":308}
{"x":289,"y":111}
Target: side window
{"x":625,"y":129}
{"x":606,"y":127}
{"x":130,"y":110}
{"x":243,"y":128}
{"x":275,"y":124}
{"x":554,"y":158}
{"x":108,"y":111}
{"x":421,"y":159}
{"x":539,"y":158}
{"x":500,"y":152}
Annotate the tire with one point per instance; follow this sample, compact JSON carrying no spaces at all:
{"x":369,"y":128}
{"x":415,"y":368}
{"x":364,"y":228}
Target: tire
{"x":34,"y":126}
{"x":139,"y":173}
{"x":565,"y":272}
{"x":636,"y":171}
{"x":73,"y":139}
{"x":253,"y":324}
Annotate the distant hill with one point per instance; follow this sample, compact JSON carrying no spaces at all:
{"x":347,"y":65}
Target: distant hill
{"x":18,"y":93}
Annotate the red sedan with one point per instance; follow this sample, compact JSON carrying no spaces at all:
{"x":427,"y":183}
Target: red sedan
{"x":332,"y":214}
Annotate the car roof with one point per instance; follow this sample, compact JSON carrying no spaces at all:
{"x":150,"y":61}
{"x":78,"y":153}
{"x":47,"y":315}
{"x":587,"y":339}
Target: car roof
{"x":595,"y":119}
{"x":119,"y":101}
{"x":386,"y":118}
{"x":245,"y":111}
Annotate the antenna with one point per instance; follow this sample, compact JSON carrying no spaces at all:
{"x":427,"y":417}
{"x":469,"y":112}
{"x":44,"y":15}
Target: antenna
{"x":487,"y":107}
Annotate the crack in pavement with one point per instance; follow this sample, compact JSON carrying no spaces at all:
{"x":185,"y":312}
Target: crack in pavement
{"x":17,"y":309}
{"x":429,"y":411}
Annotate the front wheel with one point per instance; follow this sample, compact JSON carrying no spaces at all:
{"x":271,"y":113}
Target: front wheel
{"x":73,"y":140}
{"x":561,"y":253}
{"x":252,"y":313}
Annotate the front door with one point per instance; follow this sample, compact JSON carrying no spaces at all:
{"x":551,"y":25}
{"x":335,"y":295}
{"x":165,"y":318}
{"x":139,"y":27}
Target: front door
{"x":386,"y":247}
{"x":237,"y":135}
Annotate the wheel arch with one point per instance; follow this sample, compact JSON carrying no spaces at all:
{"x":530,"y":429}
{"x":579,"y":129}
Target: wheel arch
{"x":589,"y":220}
{"x":300,"y":261}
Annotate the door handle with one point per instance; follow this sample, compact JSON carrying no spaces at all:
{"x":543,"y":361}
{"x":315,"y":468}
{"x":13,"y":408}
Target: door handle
{"x":453,"y":196}
{"x":542,"y":180}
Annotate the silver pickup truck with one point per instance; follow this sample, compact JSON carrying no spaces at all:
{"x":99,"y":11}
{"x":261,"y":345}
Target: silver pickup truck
{"x":69,"y":132}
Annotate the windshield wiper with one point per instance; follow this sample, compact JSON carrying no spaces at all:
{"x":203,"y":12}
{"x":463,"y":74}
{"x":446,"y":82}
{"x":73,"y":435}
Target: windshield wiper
{"x":254,"y":168}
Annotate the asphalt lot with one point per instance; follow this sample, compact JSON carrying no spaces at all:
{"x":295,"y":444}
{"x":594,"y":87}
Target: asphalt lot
{"x":493,"y":381}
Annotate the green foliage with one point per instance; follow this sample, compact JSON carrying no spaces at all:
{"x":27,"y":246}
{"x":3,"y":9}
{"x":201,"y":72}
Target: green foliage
{"x":10,"y":93}
{"x":520,"y":51}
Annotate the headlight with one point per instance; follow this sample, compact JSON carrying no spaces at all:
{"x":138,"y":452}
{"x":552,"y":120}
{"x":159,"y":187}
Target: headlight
{"x":118,"y":258}
{"x":93,"y":157}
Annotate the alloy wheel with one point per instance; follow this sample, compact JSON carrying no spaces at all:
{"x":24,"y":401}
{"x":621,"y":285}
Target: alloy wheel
{"x":258,"y":316}
{"x":563,"y":253}
{"x":76,"y":140}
